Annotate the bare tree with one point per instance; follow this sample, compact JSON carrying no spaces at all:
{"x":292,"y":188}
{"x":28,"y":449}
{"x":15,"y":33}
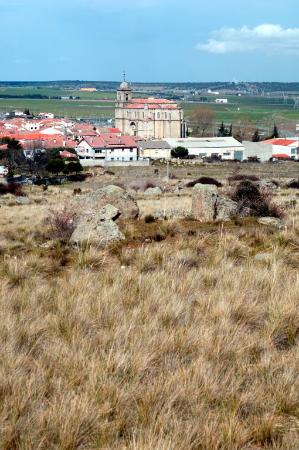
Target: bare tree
{"x":244,"y":129}
{"x":201,"y":120}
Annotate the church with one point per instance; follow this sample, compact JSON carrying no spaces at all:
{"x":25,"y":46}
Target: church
{"x":147,"y":118}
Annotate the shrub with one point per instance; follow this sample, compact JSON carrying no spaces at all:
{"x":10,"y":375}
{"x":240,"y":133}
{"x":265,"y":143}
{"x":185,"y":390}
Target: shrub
{"x":252,"y":202}
{"x":149,"y":218}
{"x":12,"y":188}
{"x":204,"y":180}
{"x":142,"y":185}
{"x":62,"y":223}
{"x":235,"y":178}
{"x":179,"y":152}
{"x":293,"y":184}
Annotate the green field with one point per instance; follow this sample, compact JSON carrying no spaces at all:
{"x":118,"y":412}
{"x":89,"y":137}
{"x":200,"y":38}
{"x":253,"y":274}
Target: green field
{"x":101,"y":105}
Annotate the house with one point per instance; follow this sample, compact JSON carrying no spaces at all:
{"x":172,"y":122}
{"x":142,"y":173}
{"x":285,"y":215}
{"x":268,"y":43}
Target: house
{"x":221,"y":100}
{"x":284,"y":148}
{"x":155,"y":149}
{"x":226,"y":148}
{"x":108,"y":147}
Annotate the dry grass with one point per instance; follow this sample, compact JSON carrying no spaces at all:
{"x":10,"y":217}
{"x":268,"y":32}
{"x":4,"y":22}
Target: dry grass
{"x":186,"y":343}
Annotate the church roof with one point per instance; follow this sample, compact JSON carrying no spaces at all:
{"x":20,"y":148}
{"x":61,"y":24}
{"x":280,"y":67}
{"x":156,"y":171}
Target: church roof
{"x":152,"y":103}
{"x":124,"y":86}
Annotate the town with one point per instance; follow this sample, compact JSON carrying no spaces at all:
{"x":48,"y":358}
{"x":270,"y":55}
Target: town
{"x":144,"y":130}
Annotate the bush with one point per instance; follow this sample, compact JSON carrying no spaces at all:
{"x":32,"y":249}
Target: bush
{"x":12,"y":188}
{"x":235,"y":178}
{"x":293,"y":185}
{"x":142,"y":185}
{"x":254,"y":203}
{"x":204,"y":180}
{"x":149,"y":218}
{"x":179,"y":152}
{"x":62,"y":223}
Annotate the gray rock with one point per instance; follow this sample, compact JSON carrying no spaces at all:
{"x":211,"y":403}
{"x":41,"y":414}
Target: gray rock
{"x":92,"y":204}
{"x":153,"y":191}
{"x":23,"y":201}
{"x":225,"y":208}
{"x":263,"y":257}
{"x":109,"y":212}
{"x":267,"y":185}
{"x":204,"y":198}
{"x":270,"y":221}
{"x":97,"y":233}
{"x":172,"y":214}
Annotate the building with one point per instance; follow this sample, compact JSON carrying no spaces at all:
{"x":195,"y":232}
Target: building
{"x":257,"y":150}
{"x":108,"y":147}
{"x":283,"y":148}
{"x":226,"y":148}
{"x":221,"y":100}
{"x":155,"y":149}
{"x":150,"y":118}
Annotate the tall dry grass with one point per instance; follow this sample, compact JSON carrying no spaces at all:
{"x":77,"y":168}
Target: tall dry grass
{"x":189,"y":343}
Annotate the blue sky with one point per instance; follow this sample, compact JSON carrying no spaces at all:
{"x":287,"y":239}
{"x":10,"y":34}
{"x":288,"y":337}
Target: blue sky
{"x":154,"y":40}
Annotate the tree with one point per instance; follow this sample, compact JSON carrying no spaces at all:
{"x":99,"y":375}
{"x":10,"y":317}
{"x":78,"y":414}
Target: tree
{"x":55,"y":165}
{"x":275,"y":132}
{"x":243,"y":130}
{"x":27,"y":112}
{"x":14,"y":153}
{"x":179,"y":152}
{"x":256,"y":136}
{"x":74,"y":166}
{"x":201,"y":121}
{"x":223,"y":131}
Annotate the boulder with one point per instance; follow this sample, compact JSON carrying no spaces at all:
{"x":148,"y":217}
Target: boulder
{"x":270,"y":221}
{"x":95,"y":232}
{"x":109,"y":212}
{"x":153,"y":191}
{"x":204,"y":199}
{"x":92,"y":204}
{"x":225,"y":208}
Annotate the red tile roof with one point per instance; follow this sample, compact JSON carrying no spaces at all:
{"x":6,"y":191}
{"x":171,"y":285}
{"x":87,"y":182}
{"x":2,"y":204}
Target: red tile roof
{"x":279,"y":141}
{"x":152,"y":103}
{"x":110,"y":140}
{"x":66,"y":154}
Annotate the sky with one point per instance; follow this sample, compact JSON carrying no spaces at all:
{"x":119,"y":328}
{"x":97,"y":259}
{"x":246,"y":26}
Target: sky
{"x":152,"y":40}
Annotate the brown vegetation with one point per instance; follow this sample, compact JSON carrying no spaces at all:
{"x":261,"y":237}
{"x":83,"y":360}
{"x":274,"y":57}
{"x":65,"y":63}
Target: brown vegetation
{"x":178,"y":337}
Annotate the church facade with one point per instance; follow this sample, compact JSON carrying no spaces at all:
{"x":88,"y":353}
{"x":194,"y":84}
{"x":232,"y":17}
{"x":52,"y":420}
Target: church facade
{"x":150,"y":118}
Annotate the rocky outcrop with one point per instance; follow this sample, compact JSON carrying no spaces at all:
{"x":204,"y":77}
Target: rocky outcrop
{"x":97,"y":212}
{"x":208,"y":205}
{"x":204,"y":199}
{"x":91,"y":204}
{"x":95,"y":231}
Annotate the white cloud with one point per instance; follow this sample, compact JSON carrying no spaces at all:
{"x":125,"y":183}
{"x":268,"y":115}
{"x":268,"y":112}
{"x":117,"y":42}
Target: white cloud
{"x":265,"y":38}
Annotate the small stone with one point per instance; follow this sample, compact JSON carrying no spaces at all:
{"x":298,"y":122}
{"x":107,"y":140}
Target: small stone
{"x":23,"y":201}
{"x":270,"y":221}
{"x":263,"y":257}
{"x":153,"y":191}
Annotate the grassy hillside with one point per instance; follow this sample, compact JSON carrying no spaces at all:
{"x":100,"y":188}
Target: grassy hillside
{"x":186,"y":341}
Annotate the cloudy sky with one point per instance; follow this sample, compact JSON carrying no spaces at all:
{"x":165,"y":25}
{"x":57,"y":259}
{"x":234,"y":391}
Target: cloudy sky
{"x":153,"y":40}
